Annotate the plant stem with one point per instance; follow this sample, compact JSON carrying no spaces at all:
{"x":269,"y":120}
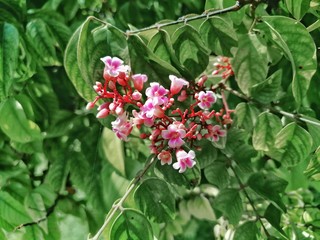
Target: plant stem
{"x":119,"y":204}
{"x":298,"y":117}
{"x":250,"y":200}
{"x":236,"y":7}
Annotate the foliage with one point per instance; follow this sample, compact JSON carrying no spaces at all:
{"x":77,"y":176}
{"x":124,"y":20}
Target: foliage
{"x":61,"y":169}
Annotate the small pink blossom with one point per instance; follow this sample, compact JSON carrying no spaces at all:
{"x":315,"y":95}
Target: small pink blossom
{"x":215,"y":132}
{"x":177,"y":84}
{"x":103,"y":110}
{"x":136,"y":95}
{"x":184,"y":160}
{"x":165,"y":157}
{"x":206,"y":99}
{"x":157,"y":93}
{"x":122,"y":127}
{"x":139,"y":80}
{"x":140,"y":118}
{"x":174,"y":133}
{"x":113,"y":66}
{"x":183,"y":96}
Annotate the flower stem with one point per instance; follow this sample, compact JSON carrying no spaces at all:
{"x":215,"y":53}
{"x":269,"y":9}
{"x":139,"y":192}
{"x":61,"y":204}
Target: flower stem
{"x":119,"y":204}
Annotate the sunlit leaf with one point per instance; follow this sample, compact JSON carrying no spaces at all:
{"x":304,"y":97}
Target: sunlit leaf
{"x":201,"y":208}
{"x":265,"y":131}
{"x":246,"y":231}
{"x":250,"y":63}
{"x":299,"y":48}
{"x":246,"y":115}
{"x":298,"y":8}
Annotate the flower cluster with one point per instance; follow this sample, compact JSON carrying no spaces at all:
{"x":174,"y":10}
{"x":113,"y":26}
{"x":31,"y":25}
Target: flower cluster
{"x":156,"y":112}
{"x":223,"y":67}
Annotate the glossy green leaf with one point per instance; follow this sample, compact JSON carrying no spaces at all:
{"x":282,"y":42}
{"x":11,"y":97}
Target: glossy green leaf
{"x":229,"y":203}
{"x":190,"y":50}
{"x":43,"y":41}
{"x":250,"y":63}
{"x":299,"y":48}
{"x":156,"y":200}
{"x":267,"y":91}
{"x":12,"y":211}
{"x":142,"y":60}
{"x":161,"y":45}
{"x":219,"y":35}
{"x":298,"y":8}
{"x":273,"y":215}
{"x":33,"y":232}
{"x":246,"y":115}
{"x":246,"y":231}
{"x":131,"y":224}
{"x":264,"y":133}
{"x":314,"y":131}
{"x":293,"y":143}
{"x":15,"y":124}
{"x":113,"y":149}
{"x":35,"y":206}
{"x":217,"y":174}
{"x":200,"y":208}
{"x":268,"y":186}
{"x":73,"y":70}
{"x":9,"y":53}
{"x":190,"y":178}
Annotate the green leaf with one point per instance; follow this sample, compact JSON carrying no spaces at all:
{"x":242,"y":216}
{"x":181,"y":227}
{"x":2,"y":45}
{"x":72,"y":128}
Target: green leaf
{"x":43,"y":41}
{"x":9,"y":53}
{"x":229,"y":203}
{"x":250,"y":63}
{"x":190,"y":50}
{"x":267,"y":91}
{"x":246,"y":115}
{"x":268,"y":186}
{"x":156,"y":200}
{"x":142,"y":60}
{"x":313,"y":169}
{"x":264,"y":133}
{"x":217,"y":174}
{"x":33,"y":232}
{"x":273,"y":215}
{"x":298,"y":8}
{"x":201,"y":208}
{"x":161,"y":46}
{"x":189,"y":178}
{"x":299,"y":48}
{"x":112,"y":147}
{"x":73,"y":70}
{"x":293,"y":144}
{"x":16,"y":125}
{"x":219,"y":35}
{"x":246,"y":231}
{"x":12,"y":211}
{"x":131,"y":224}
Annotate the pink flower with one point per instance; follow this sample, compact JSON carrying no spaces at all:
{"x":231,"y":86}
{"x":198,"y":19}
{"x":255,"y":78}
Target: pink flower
{"x":215,"y":132}
{"x":152,"y":110}
{"x":103,"y":110}
{"x":206,"y":99}
{"x":177,"y":84}
{"x":165,"y":157}
{"x":139,"y":80}
{"x":136,"y":95}
{"x":184,"y":160}
{"x":113,"y":66}
{"x":174,"y":133}
{"x":141,"y":118}
{"x":157,"y":93}
{"x":122,"y":127}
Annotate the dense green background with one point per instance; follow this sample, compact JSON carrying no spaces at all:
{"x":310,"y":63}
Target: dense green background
{"x":61,"y":169}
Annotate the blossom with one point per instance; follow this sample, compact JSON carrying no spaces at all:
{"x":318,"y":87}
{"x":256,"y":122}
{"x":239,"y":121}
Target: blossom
{"x":165,"y":157}
{"x":113,"y":66}
{"x":174,"y":133}
{"x":177,"y":84}
{"x":206,"y":99}
{"x":139,"y":80}
{"x":215,"y":132}
{"x":184,"y":160}
{"x":151,"y":110}
{"x":122,"y":127}
{"x":157,"y":93}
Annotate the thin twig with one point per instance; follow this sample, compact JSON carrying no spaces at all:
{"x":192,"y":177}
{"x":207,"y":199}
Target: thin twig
{"x":119,"y":204}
